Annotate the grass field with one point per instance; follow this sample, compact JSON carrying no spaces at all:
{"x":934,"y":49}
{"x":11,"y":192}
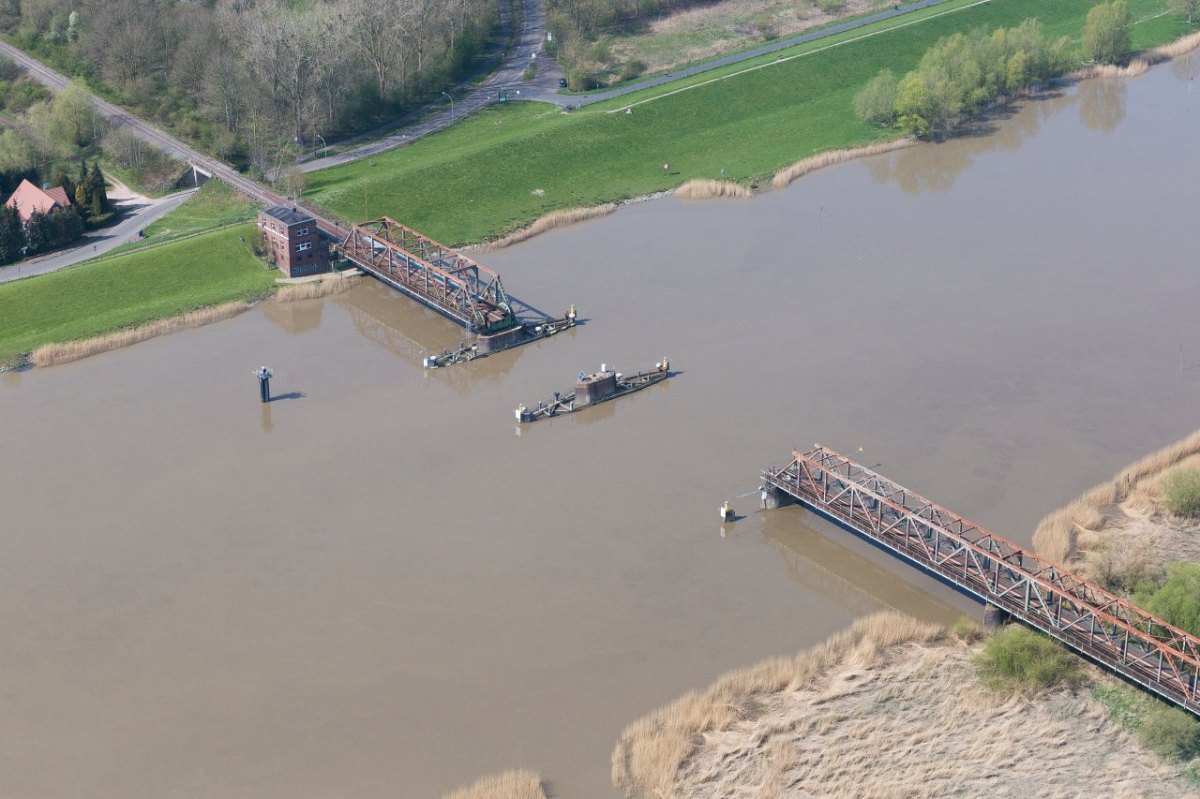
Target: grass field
{"x":130,"y":289}
{"x":481,"y":178}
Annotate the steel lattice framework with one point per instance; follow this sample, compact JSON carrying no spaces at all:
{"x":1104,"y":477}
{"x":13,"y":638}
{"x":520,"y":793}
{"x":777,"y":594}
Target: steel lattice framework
{"x":1095,"y":622}
{"x":447,"y":280}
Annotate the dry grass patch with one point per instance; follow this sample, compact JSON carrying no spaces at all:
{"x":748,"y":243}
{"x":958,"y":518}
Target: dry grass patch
{"x":889,"y":708}
{"x":552,"y":220}
{"x":784,"y":177}
{"x":515,"y":784}
{"x":1121,"y":532}
{"x":65,"y":352}
{"x":706,"y":189}
{"x":317,"y":288}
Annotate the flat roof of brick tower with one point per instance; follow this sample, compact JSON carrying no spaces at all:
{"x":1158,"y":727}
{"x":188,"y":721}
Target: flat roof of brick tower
{"x":288,"y":216}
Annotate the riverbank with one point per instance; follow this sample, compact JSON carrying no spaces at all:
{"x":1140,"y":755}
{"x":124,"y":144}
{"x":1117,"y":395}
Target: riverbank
{"x":506,"y":166}
{"x":890,"y":707}
{"x":1120,"y":532}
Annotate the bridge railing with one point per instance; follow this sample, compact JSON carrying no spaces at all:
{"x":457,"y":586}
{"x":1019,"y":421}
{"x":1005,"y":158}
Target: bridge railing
{"x":1086,"y":617}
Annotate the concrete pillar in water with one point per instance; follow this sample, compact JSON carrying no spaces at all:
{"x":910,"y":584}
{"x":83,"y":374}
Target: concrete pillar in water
{"x":994,"y":616}
{"x":772,"y":498}
{"x":264,"y":376}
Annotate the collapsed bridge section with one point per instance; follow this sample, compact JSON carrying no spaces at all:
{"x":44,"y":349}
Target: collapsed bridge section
{"x":445,"y":280}
{"x":1090,"y":620}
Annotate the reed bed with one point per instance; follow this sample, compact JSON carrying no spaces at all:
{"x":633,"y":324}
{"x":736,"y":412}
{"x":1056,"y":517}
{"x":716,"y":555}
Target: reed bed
{"x":552,"y":220}
{"x":65,"y":352}
{"x":891,"y":707}
{"x":707,"y":189}
{"x":317,"y":288}
{"x":1082,"y":531}
{"x":1137,"y":66}
{"x":514,"y":784}
{"x":784,"y":177}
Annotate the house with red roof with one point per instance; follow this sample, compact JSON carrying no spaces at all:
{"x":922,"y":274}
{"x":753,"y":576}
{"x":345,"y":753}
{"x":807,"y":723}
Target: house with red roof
{"x":29,"y":198}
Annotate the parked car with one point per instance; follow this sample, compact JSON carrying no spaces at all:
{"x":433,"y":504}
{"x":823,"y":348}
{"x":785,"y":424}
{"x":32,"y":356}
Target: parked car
{"x":562,"y":83}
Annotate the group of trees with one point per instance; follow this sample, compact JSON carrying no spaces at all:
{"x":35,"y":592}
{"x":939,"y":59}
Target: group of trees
{"x":41,"y":233}
{"x":250,"y":78}
{"x":576,"y":25}
{"x":960,"y":75}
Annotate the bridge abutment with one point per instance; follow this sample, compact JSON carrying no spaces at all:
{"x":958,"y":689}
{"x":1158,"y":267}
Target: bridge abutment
{"x":995,"y":617}
{"x":772,"y":498}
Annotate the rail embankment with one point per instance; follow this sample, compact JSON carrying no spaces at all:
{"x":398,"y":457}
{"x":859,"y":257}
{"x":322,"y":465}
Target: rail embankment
{"x":894,"y":707}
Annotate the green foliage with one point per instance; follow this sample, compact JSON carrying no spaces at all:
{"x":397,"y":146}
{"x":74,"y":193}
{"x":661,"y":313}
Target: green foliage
{"x":1177,"y":601}
{"x":130,"y":289}
{"x":1016,"y":659}
{"x":1181,"y":492}
{"x":1106,"y":34}
{"x":962,"y":73}
{"x":530,"y":71}
{"x":876,"y":103}
{"x":12,"y":235}
{"x":1171,"y":732}
{"x":966,"y":629}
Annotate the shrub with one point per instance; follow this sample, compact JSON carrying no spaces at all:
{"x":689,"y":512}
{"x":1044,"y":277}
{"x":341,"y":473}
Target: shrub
{"x":1018,"y":659}
{"x":1106,"y":34}
{"x":1170,"y":732}
{"x":1178,"y":600}
{"x":1181,"y":491}
{"x":831,"y":6}
{"x":876,"y":103}
{"x":632,"y":68}
{"x":530,"y":71}
{"x":967,"y":629}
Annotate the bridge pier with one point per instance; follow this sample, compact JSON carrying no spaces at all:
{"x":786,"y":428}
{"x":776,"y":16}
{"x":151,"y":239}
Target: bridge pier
{"x":994,"y":617}
{"x":500,"y":341}
{"x":772,"y":498}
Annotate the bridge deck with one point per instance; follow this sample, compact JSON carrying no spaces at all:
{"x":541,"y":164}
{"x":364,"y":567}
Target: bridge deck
{"x":1087,"y":618}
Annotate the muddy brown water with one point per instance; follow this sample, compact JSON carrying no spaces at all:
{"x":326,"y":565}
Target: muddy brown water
{"x":376,"y":588}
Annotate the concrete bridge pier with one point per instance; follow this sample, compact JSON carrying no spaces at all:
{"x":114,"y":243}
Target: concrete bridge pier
{"x":772,"y":498}
{"x":994,"y":617}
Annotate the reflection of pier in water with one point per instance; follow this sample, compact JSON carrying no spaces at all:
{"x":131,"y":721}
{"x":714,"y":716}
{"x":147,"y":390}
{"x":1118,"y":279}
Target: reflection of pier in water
{"x":410,"y":333}
{"x":833,"y":570}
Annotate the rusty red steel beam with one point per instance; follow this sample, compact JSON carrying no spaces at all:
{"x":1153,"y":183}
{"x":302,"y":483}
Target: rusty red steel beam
{"x":1086,"y":617}
{"x":461,"y":287}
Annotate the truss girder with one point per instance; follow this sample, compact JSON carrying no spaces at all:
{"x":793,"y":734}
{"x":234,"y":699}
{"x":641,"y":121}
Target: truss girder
{"x":1084,"y":616}
{"x":465,"y":290}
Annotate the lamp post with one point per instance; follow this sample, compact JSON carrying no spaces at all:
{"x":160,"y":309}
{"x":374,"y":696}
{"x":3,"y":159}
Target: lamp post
{"x":451,"y":99}
{"x":324,"y":146}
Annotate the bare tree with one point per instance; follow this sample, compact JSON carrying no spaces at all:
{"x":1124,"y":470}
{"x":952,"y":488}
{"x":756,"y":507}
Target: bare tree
{"x":376,"y":29}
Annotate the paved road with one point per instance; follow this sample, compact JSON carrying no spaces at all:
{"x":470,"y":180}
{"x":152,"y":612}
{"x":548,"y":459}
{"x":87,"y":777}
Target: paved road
{"x":139,"y":214}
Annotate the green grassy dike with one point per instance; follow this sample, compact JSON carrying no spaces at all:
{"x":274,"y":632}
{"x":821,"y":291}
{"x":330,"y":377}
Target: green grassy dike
{"x":197,"y":255}
{"x":481,"y":178}
{"x":131,"y":289}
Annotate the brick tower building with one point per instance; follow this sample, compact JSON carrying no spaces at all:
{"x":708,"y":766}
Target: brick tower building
{"x":293,"y":242}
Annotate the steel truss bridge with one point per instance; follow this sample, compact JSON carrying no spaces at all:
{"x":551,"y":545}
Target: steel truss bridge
{"x":446,"y":280}
{"x":1090,"y":620}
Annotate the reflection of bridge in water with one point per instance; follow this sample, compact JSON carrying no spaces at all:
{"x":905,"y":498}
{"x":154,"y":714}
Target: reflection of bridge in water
{"x":1012,"y":581}
{"x":409,"y":334}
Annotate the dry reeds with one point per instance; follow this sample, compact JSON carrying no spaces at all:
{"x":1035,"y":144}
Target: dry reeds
{"x":317,"y":288}
{"x":891,"y":707}
{"x":706,"y":189}
{"x":65,"y":352}
{"x":552,"y":220}
{"x":515,"y":784}
{"x":1135,"y":67}
{"x":1179,"y":47}
{"x":650,"y":750}
{"x":784,"y":177}
{"x":1063,"y":534}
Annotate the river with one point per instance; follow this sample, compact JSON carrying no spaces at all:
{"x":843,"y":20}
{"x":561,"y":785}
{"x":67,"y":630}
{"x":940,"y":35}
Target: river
{"x":376,"y":587}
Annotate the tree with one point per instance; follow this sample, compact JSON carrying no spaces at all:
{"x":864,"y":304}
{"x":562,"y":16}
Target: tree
{"x":1189,"y":8}
{"x":39,"y":232}
{"x":72,"y":116}
{"x":1106,"y":34}
{"x":876,"y":103}
{"x":96,"y":190}
{"x":12,"y":235}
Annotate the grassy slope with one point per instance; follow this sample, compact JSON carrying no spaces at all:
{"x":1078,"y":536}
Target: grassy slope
{"x":130,"y":289}
{"x":475,"y":180}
